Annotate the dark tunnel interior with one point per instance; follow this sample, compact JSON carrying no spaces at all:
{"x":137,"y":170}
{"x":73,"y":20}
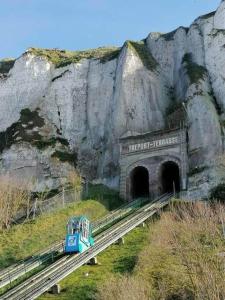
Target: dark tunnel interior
{"x":140,"y":182}
{"x":170,"y":177}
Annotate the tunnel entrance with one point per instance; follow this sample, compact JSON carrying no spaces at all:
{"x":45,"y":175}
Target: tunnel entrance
{"x":170,"y":177}
{"x":139,"y":182}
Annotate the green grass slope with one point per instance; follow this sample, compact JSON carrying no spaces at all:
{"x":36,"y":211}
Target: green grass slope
{"x":116,"y":260}
{"x":25,"y":239}
{"x":177,"y":257}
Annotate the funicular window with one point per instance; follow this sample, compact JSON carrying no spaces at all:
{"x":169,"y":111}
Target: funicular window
{"x":85,"y":226}
{"x":73,"y":226}
{"x":70,"y":228}
{"x":76,"y":227}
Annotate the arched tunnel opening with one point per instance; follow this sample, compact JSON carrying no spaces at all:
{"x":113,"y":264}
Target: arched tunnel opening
{"x":170,"y":177}
{"x":140,"y":183}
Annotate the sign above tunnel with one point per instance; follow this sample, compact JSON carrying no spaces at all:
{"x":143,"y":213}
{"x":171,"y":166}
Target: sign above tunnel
{"x":149,"y":145}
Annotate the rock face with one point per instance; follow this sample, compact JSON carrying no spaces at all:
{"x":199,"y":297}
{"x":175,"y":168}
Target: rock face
{"x":55,"y":116}
{"x":219,"y":21}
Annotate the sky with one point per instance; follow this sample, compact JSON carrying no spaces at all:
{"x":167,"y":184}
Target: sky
{"x":84,"y":24}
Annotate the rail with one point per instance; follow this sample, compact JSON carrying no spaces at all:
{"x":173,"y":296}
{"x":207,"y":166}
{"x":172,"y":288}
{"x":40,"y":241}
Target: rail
{"x":44,"y":280}
{"x":13,"y":272}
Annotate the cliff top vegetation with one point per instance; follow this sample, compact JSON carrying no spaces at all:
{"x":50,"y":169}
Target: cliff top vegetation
{"x":62,"y":58}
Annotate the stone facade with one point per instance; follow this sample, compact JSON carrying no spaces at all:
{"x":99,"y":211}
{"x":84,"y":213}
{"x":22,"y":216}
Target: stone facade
{"x":152,"y":151}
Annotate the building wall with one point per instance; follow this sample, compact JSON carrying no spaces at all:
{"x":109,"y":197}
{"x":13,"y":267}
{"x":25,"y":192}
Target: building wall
{"x":152,"y":159}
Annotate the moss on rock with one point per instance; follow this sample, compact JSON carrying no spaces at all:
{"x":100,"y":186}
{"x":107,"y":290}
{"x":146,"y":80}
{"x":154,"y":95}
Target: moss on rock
{"x":31,"y":118}
{"x":26,"y":130}
{"x":51,"y":142}
{"x":144,"y":53}
{"x":18,"y":131}
{"x":195,"y":72}
{"x":173,"y":107}
{"x":65,"y":156}
{"x":6,"y":65}
{"x":217,"y":32}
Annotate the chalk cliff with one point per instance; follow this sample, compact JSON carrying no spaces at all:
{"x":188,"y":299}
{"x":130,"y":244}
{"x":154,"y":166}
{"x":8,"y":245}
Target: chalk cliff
{"x":63,"y":109}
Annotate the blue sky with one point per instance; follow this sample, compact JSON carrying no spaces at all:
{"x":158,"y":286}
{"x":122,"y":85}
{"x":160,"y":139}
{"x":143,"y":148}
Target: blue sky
{"x":83,"y":24}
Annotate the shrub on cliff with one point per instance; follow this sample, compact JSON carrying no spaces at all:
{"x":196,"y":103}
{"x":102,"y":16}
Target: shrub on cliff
{"x":14,"y":197}
{"x":218,"y":193}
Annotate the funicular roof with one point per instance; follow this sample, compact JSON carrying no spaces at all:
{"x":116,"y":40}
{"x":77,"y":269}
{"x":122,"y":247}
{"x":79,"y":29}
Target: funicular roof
{"x":77,"y":218}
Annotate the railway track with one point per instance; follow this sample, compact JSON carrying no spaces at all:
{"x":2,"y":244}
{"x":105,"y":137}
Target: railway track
{"x":10,"y":274}
{"x":44,"y":280}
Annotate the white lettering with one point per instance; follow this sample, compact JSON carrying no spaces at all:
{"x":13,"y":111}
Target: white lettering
{"x":153,"y":144}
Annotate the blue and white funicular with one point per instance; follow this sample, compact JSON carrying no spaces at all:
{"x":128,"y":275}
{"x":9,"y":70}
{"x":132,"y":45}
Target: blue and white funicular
{"x":79,"y":235}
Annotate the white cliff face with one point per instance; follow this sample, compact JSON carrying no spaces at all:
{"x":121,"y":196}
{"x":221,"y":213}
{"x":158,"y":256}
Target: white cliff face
{"x":91,"y":103}
{"x":219,"y":20}
{"x":36,"y":168}
{"x":25,"y":87}
{"x":205,"y":141}
{"x":204,"y":99}
{"x":140,"y":96}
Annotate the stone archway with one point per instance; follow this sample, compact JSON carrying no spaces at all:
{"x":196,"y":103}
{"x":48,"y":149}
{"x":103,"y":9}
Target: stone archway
{"x":170,"y":177}
{"x":162,"y":153}
{"x":139,"y":180}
